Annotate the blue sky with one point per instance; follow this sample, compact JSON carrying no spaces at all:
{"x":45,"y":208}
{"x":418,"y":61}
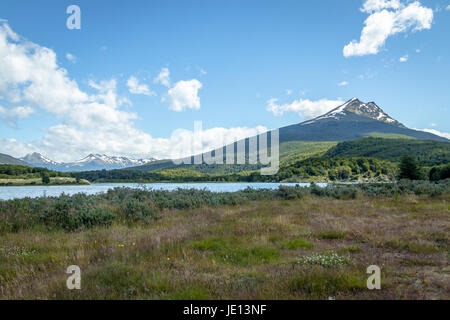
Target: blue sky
{"x":238,"y":66}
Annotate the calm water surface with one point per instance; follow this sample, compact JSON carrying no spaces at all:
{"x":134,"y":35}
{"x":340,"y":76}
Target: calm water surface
{"x":7,"y":193}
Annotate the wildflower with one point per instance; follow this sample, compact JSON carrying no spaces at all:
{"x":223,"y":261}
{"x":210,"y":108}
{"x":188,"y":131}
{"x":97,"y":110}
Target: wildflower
{"x":324,"y":260}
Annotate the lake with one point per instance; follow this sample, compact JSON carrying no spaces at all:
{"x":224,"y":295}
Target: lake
{"x":8,"y":193}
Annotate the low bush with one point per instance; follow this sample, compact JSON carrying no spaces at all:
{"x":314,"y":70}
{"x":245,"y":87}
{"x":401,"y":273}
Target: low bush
{"x":136,"y":210}
{"x":142,"y":205}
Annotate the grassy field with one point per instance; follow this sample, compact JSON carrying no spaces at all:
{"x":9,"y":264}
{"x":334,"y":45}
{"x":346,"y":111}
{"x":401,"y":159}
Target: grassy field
{"x":293,"y":245}
{"x":38,"y":181}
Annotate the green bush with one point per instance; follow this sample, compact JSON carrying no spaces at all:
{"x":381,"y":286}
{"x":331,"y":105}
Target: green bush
{"x":141,"y":205}
{"x":136,"y":210}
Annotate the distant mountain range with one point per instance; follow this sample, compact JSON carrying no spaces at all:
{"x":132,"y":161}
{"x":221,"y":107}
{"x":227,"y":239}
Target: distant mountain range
{"x":351,"y":121}
{"x":91,"y":162}
{"x":6,"y":159}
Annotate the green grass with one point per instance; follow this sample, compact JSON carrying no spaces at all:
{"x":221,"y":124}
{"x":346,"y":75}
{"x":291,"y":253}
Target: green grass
{"x":245,"y":245}
{"x":55,"y":181}
{"x":247,"y":256}
{"x":389,"y":136}
{"x":318,"y":283}
{"x":296,"y":244}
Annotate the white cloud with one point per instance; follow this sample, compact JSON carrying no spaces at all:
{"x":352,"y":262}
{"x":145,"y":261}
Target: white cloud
{"x":71,"y":57}
{"x":383,"y":23}
{"x":203,"y":72}
{"x":182,"y":140}
{"x":77,"y":143}
{"x":404,"y":58}
{"x":10,"y":116}
{"x":32,"y":71}
{"x":343,"y":83}
{"x":377,"y":5}
{"x":90,"y":123}
{"x":184,"y":95}
{"x":433,"y":124}
{"x":306,"y":109}
{"x":137,"y":88}
{"x":163,"y":77}
{"x":448,"y":8}
{"x":289,"y":92}
{"x":438,"y":133}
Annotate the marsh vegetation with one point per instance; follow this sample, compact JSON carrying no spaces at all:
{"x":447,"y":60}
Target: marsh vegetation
{"x":290,"y":243}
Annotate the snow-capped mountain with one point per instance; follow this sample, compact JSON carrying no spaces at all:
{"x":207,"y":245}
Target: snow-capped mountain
{"x":38,"y":159}
{"x":370,"y":110}
{"x":352,"y":120}
{"x":104,"y":160}
{"x":91,"y":162}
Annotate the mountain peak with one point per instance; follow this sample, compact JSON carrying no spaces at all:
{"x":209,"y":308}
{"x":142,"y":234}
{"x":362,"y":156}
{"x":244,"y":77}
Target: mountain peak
{"x":36,"y":158}
{"x":358,"y":107}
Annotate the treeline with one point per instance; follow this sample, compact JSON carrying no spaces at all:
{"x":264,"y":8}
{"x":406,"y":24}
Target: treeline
{"x":335,"y":169}
{"x":427,"y":153}
{"x":9,"y":171}
{"x":339,"y":169}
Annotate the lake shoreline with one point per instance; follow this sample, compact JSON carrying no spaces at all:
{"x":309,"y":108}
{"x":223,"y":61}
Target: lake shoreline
{"x":19,"y":192}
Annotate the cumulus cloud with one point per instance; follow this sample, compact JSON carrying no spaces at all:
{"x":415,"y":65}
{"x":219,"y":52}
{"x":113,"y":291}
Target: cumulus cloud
{"x":448,"y":8}
{"x":71,"y":57}
{"x":386,"y":19}
{"x":163,"y":77}
{"x":90,"y":122}
{"x":343,"y":83}
{"x":184,"y":94}
{"x":138,"y":88}
{"x":10,"y":116}
{"x":404,"y":58}
{"x":306,"y":109}
{"x":186,"y":142}
{"x":77,"y":142}
{"x":32,"y":72}
{"x":377,"y":5}
{"x":438,"y":133}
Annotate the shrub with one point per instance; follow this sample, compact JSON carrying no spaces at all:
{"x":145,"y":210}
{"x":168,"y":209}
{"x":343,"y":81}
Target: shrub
{"x":45,"y":178}
{"x":136,"y":210}
{"x":76,"y":212}
{"x":290,"y":193}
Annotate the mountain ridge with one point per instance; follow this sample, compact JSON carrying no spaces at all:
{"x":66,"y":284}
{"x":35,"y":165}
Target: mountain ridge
{"x":93,"y":161}
{"x":350,"y":121}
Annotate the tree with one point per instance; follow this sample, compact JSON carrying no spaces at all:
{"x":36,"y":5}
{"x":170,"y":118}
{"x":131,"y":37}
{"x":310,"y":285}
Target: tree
{"x":409,"y":168}
{"x":440,"y":173}
{"x":45,"y":178}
